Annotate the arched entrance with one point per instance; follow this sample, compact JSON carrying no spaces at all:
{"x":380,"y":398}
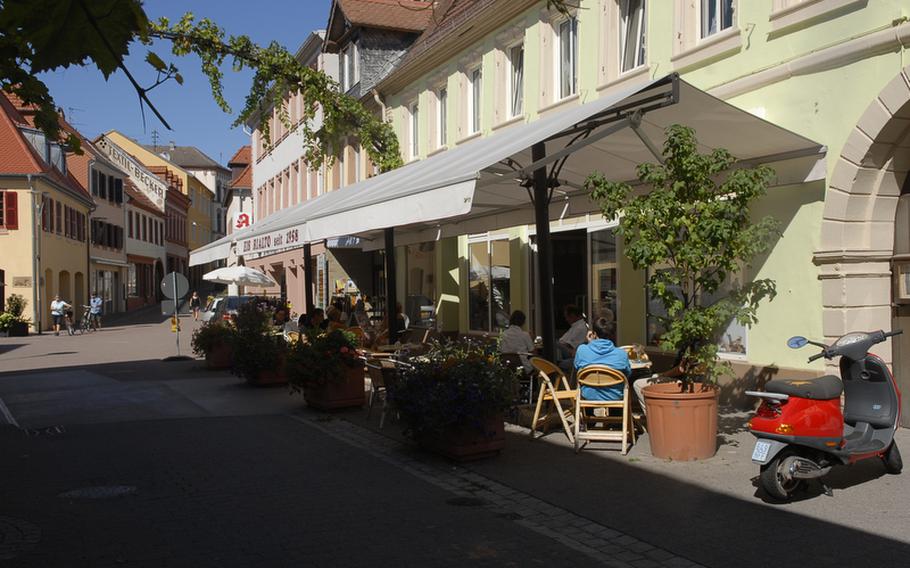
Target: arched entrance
{"x":79,"y":296}
{"x":859,"y":243}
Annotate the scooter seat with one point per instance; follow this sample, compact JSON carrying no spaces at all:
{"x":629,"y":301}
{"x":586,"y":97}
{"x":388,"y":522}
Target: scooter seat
{"x":822,"y":388}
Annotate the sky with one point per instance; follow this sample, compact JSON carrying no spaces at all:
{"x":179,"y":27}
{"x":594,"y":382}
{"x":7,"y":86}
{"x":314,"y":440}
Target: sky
{"x":94,"y":105}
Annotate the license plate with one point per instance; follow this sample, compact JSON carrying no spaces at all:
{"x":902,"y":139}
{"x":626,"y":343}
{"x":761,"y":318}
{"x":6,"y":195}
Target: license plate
{"x":760,"y":453}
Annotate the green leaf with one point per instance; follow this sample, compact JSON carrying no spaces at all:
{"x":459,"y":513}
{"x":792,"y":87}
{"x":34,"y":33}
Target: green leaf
{"x":156,"y":61}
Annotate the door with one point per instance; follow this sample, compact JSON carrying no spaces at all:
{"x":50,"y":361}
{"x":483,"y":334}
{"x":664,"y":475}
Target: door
{"x":570,"y":274}
{"x":900,"y":294}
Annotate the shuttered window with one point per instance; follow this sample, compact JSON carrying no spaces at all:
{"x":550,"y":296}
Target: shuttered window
{"x":9,"y":210}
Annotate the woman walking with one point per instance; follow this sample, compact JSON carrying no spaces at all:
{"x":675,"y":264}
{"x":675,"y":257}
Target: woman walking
{"x":195,"y":305}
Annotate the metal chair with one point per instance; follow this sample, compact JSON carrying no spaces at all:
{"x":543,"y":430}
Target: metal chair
{"x":551,"y":395}
{"x":382,"y":372}
{"x":601,"y":376}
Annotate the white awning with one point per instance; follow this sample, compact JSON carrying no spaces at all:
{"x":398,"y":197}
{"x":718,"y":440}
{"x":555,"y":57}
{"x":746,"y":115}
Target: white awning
{"x":215,"y":250}
{"x":477,"y":186}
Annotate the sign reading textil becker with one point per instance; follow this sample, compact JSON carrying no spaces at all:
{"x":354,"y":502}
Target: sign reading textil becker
{"x":275,"y":240}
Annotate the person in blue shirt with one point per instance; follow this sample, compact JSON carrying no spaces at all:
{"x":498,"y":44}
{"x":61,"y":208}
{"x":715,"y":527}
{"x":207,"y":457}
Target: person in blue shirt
{"x":600,"y":350}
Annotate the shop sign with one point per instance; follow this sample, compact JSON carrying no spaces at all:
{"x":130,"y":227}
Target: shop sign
{"x":275,"y":240}
{"x":148,"y":183}
{"x":242,"y":220}
{"x":347,"y":242}
{"x":22,"y":281}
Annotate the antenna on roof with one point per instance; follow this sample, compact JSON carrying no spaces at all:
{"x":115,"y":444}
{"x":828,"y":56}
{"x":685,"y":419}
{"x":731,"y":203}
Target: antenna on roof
{"x":155,"y":139}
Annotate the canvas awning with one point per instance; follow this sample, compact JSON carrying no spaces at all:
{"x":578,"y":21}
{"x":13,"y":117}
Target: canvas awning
{"x":479,"y":185}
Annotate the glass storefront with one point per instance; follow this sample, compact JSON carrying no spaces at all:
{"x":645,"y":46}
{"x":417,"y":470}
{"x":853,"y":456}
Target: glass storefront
{"x":420,"y":285}
{"x":489,"y":279}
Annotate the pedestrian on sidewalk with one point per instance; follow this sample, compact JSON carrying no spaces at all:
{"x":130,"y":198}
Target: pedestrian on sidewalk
{"x":94,"y":307}
{"x":57,"y":308}
{"x":195,"y":305}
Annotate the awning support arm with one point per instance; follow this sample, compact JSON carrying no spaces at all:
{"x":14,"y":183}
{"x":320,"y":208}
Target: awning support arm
{"x":635,"y":123}
{"x":568,"y":150}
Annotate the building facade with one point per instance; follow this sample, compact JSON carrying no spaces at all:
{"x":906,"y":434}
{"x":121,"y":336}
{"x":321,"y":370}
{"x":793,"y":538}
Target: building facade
{"x":489,"y":64}
{"x":44,"y":227}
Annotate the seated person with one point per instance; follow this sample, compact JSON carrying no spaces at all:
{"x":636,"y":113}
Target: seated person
{"x":515,"y":340}
{"x":571,"y":339}
{"x":600,"y":350}
{"x":333,"y":315}
{"x":672,"y":375}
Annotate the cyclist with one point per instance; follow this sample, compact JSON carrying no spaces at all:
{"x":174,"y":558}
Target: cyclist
{"x":95,"y":310}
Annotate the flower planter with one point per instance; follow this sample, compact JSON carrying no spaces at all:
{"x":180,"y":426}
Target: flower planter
{"x":681,"y":426}
{"x":18,"y":329}
{"x":219,"y":357}
{"x":268,"y":377}
{"x":468,"y":444}
{"x":346,"y":391}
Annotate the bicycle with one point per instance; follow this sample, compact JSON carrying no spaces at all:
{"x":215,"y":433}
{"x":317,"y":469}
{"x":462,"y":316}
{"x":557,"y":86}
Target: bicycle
{"x":68,"y":321}
{"x":86,"y":322}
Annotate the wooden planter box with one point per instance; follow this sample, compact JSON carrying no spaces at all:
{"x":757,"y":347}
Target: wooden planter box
{"x":468,"y":444}
{"x":681,"y":426}
{"x":220,"y":357}
{"x":272,"y":376}
{"x":343,"y":392}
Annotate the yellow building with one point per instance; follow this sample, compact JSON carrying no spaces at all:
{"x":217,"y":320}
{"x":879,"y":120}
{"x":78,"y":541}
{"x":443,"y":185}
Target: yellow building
{"x":43,"y":213}
{"x":199,"y":216}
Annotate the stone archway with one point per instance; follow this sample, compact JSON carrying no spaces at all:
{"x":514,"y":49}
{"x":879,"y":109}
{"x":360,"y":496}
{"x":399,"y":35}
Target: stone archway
{"x":857,"y":238}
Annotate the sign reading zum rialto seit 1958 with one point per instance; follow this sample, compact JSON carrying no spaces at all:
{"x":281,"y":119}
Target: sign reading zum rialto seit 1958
{"x":284,"y":238}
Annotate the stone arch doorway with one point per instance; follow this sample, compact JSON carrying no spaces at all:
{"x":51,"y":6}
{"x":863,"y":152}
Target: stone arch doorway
{"x":858,"y":238}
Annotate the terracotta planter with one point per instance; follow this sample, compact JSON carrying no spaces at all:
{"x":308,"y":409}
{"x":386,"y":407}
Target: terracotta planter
{"x":681,"y":426}
{"x":469,"y":444}
{"x":344,"y":392}
{"x":219,"y":357}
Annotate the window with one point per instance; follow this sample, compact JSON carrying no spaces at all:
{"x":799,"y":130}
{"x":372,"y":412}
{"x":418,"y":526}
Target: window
{"x":356,"y":163}
{"x":94,"y":182}
{"x":118,"y":190}
{"x":102,"y":186}
{"x":145,"y":229}
{"x":474,"y":100}
{"x":130,"y":219}
{"x":414,"y":130}
{"x":568,"y":57}
{"x":9,"y":210}
{"x":716,"y":15}
{"x":489,"y":301}
{"x":517,"y":80}
{"x":632,"y":34}
{"x":131,"y":288}
{"x":59,"y":215}
{"x":420,"y":285}
{"x":348,"y":68}
{"x":441,"y":100}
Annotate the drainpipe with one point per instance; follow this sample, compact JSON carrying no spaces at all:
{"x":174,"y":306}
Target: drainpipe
{"x":36,"y":208}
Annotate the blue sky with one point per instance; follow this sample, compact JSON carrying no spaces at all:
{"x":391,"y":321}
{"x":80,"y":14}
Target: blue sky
{"x":94,"y":105}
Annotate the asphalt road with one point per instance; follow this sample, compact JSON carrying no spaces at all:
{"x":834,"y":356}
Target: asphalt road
{"x":121,"y":459}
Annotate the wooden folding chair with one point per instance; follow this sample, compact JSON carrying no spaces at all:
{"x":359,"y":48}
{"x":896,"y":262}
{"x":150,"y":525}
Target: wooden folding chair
{"x":552,"y":394}
{"x":600,"y":376}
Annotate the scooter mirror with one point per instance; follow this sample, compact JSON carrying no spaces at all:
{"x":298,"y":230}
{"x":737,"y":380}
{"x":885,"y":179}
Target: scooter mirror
{"x":797,"y":341}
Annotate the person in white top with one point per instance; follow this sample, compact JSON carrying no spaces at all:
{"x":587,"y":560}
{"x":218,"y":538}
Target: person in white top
{"x":515,"y":340}
{"x":57,"y":308}
{"x":576,"y":335}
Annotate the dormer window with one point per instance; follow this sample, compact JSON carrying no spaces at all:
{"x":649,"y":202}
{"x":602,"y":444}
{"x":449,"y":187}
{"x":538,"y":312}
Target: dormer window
{"x":349,"y":67}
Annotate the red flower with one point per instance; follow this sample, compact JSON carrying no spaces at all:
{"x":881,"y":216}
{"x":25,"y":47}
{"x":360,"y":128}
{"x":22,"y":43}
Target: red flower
{"x":344,"y":349}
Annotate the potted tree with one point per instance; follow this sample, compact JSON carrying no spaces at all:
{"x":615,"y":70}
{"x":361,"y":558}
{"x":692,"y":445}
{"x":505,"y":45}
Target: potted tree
{"x":452,"y":399}
{"x":12,"y":322}
{"x":692,"y":230}
{"x":214,"y":341}
{"x":259,"y":353}
{"x":328,"y":369}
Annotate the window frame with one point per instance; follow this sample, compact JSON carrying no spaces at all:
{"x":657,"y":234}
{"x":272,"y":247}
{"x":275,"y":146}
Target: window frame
{"x":414,"y":129}
{"x":702,"y":33}
{"x":511,"y":80}
{"x":442,"y":101}
{"x":641,"y":47}
{"x":488,"y":240}
{"x":475,"y":99}
{"x":572,"y":21}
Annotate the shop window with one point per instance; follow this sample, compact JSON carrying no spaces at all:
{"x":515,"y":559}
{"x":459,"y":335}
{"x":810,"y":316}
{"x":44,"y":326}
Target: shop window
{"x":716,"y":16}
{"x":131,"y":287}
{"x":420,"y":286}
{"x":733,"y":341}
{"x":568,"y":57}
{"x":632,"y":34}
{"x":516,"y":79}
{"x":489,"y":301}
{"x":604,"y":276}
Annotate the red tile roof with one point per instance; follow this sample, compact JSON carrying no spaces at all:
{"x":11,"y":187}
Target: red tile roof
{"x":18,"y":157}
{"x":244,"y":180}
{"x":242,"y":158}
{"x":404,"y":15}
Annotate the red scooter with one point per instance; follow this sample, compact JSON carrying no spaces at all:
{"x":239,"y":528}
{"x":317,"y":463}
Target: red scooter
{"x":802,"y":431}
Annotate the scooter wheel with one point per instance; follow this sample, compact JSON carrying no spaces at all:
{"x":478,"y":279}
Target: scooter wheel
{"x":774,"y":481}
{"x":892,"y":459}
